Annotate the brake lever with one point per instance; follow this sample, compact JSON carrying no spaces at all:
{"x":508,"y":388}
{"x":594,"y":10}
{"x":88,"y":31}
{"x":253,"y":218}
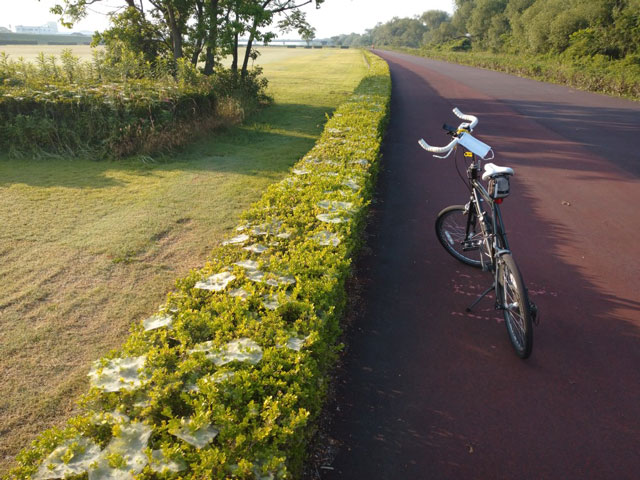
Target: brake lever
{"x":449,"y":129}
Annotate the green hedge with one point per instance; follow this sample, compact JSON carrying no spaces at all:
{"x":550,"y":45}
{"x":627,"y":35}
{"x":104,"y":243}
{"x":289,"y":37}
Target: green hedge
{"x":595,"y":74}
{"x":227,"y":379}
{"x":67,"y":119}
{"x":116,"y":118}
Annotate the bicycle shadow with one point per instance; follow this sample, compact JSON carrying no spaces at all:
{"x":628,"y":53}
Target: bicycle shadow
{"x":463,"y":405}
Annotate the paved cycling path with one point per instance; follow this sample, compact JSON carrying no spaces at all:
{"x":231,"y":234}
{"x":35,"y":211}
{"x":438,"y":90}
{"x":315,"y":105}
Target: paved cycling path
{"x":428,"y":391}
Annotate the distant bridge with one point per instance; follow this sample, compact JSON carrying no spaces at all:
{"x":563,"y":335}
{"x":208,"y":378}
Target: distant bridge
{"x":288,"y":42}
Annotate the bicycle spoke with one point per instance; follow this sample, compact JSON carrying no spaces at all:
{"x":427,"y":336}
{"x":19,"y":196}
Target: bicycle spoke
{"x":515,"y":310}
{"x":512,"y":306}
{"x":474,"y":233}
{"x":451,"y":229}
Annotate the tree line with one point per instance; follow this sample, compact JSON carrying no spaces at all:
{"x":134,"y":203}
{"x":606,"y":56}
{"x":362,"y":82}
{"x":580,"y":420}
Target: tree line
{"x":198,"y":32}
{"x":579,"y":28}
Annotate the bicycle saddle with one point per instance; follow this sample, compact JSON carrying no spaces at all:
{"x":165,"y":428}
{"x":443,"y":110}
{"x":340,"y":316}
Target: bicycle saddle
{"x":492,"y":170}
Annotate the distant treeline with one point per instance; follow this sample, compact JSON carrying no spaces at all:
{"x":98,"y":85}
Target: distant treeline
{"x":576,"y":28}
{"x":10,"y":38}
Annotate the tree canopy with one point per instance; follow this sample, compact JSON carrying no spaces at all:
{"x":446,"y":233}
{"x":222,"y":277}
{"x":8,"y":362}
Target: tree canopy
{"x":196,"y":31}
{"x":610,"y":28}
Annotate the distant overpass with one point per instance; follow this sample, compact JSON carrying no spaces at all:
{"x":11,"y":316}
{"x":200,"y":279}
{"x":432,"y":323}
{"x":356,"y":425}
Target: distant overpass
{"x":11,"y":38}
{"x":289,"y":42}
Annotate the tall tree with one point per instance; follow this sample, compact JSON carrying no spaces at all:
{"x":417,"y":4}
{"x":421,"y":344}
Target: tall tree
{"x":200,"y":30}
{"x":164,"y":23}
{"x":262,"y":13}
{"x":432,"y":19}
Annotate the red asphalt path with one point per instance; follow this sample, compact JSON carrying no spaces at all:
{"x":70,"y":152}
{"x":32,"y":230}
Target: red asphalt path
{"x":428,"y":391}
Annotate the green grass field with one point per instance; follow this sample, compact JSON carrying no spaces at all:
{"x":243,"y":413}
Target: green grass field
{"x":270,"y":54}
{"x":87,"y":248}
{"x":30,"y":52}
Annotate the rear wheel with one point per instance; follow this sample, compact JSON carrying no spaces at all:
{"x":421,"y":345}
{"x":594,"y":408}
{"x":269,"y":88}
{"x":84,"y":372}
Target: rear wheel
{"x":451,"y":230}
{"x":513,"y":298}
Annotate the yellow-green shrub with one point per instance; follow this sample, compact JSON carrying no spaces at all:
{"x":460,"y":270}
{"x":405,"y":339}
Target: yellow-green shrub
{"x":77,"y":108}
{"x":265,"y":412}
{"x":593,"y":73}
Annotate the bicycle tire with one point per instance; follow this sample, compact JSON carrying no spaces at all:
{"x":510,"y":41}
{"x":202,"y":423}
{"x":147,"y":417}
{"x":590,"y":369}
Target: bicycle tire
{"x":451,"y":229}
{"x":512,"y":296}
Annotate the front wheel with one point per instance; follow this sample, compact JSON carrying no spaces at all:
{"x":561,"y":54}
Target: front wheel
{"x":514,"y":301}
{"x":464,"y":244}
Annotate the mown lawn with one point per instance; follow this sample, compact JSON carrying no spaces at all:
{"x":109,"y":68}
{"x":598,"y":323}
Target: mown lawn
{"x":87,"y":247}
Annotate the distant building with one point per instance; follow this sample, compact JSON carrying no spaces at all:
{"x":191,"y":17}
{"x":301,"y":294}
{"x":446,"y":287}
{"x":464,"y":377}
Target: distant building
{"x":48,"y":29}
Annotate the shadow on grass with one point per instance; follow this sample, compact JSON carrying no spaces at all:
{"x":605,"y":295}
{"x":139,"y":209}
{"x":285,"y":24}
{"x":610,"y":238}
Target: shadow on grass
{"x":268,"y":142}
{"x":297,"y":119}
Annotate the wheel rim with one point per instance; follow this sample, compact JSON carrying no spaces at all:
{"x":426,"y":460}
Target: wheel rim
{"x":514,"y":314}
{"x":453,"y":231}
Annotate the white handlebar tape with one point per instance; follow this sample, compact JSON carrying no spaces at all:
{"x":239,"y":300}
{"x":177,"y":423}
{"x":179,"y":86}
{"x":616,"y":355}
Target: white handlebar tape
{"x":469,"y":118}
{"x":432,"y":149}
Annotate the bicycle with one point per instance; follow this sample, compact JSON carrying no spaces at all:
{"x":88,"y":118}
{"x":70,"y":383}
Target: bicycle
{"x":475,"y":234}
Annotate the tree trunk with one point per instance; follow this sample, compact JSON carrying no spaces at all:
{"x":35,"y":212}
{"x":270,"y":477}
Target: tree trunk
{"x":209,"y":61}
{"x":176,"y":35}
{"x":200,"y":38}
{"x":247,"y":54}
{"x":197,"y":50}
{"x":234,"y":64}
{"x":177,"y":45}
{"x":212,"y":39}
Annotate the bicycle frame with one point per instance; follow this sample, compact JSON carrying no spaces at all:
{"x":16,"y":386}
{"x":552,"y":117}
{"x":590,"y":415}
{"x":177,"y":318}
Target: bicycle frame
{"x":485,"y":232}
{"x":497,"y":237}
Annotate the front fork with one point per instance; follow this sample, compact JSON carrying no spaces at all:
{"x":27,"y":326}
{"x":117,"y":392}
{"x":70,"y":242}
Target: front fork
{"x":473,"y":209}
{"x":498,"y":271}
{"x":533,"y":308}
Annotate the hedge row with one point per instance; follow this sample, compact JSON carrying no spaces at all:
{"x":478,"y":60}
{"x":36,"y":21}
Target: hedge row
{"x":116,"y":119}
{"x":225,"y":381}
{"x":595,"y":74}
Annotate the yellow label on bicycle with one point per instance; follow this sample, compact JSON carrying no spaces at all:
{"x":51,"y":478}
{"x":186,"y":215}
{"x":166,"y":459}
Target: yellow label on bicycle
{"x":468,"y":154}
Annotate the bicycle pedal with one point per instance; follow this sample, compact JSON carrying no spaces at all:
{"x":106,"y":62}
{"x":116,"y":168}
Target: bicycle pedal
{"x":470,"y":246}
{"x":533,"y":308}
